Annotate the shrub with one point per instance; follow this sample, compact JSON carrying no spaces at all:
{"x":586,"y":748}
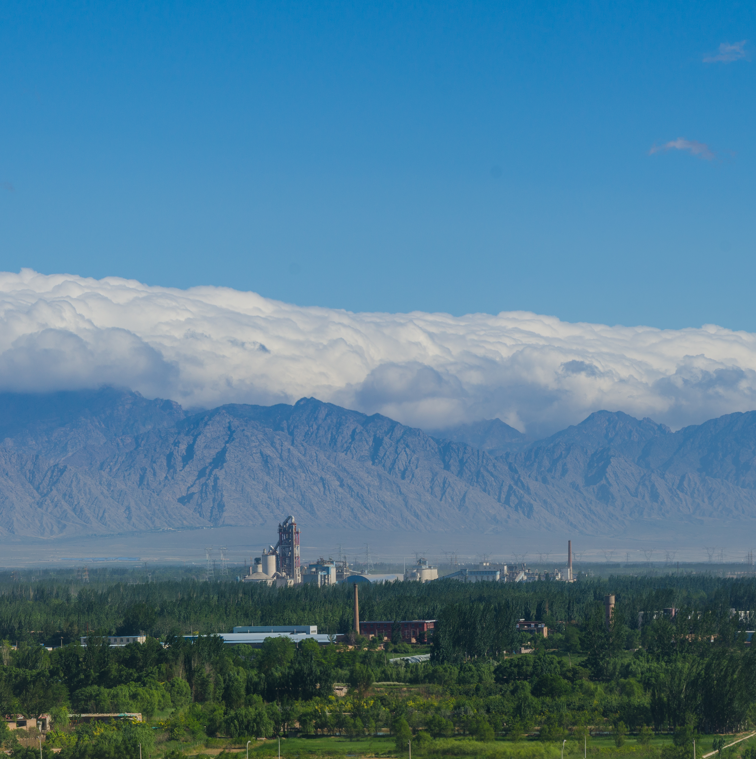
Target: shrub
{"x":421,"y":741}
{"x":644,"y":735}
{"x":620,"y":731}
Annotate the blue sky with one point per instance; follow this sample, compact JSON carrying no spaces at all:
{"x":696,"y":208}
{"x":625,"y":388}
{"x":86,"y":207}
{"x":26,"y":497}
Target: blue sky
{"x":457,"y":157}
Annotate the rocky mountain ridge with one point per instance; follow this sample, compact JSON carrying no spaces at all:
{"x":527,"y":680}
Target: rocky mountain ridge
{"x":110,"y":461}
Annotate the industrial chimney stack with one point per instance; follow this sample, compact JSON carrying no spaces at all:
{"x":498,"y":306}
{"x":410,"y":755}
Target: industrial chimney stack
{"x":356,"y":610}
{"x":609,"y":603}
{"x":569,"y":561}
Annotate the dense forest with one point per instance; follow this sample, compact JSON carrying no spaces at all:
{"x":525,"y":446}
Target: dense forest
{"x":643,"y":676}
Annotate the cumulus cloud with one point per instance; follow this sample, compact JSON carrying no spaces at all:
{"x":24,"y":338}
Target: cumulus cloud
{"x":207,"y":346}
{"x":728,"y":53}
{"x":698,"y":149}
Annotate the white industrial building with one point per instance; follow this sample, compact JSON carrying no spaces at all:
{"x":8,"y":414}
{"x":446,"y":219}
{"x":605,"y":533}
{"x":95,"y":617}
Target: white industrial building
{"x":320,"y":574}
{"x":421,"y":572}
{"x":256,"y":636}
{"x":116,"y":641}
{"x":288,"y":629}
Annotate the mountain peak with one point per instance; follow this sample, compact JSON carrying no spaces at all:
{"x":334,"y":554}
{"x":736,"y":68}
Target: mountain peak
{"x":490,"y":435}
{"x":616,"y":431}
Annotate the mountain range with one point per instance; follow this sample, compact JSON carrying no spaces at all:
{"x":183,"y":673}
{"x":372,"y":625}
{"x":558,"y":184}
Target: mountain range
{"x":110,"y":461}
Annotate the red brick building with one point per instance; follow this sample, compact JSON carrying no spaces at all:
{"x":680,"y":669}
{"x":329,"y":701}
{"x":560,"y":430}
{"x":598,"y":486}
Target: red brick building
{"x":413,"y":631}
{"x":369,"y":629}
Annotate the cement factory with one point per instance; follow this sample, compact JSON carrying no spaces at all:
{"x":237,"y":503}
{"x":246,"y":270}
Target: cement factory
{"x":280,"y":566}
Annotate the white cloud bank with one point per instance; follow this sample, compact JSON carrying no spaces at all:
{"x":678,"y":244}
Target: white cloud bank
{"x":207,"y":346}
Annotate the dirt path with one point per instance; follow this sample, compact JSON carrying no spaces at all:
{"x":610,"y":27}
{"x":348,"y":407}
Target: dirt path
{"x":739,"y":740}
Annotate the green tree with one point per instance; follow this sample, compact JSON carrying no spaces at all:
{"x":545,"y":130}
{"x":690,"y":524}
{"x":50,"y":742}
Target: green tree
{"x":439,"y":727}
{"x":572,"y":639}
{"x":276,"y":653}
{"x":480,"y":728}
{"x":552,"y":729}
{"x":402,"y":733}
{"x":41,"y":695}
{"x":179,"y":691}
{"x":250,"y":721}
{"x":396,"y":632}
{"x":516,"y":730}
{"x":138,"y":617}
{"x":619,"y":733}
{"x":361,"y":678}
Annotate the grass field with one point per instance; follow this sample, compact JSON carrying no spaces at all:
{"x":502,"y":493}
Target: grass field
{"x":366,"y":748}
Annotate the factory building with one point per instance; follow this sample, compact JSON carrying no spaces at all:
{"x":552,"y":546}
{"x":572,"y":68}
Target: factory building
{"x":354,"y":579}
{"x":522,"y":575}
{"x":256,"y":639}
{"x":644,"y":617}
{"x":532,"y":628}
{"x":512,"y":573}
{"x":421,"y":572}
{"x":418,"y":630}
{"x":117,"y":641}
{"x":288,"y":550}
{"x":412,"y":631}
{"x":287,"y":629}
{"x":279,"y":565}
{"x":320,"y":573}
{"x":263,"y":568}
{"x":475,"y":575}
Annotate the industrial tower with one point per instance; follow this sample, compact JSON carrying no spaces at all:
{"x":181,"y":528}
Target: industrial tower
{"x":288,"y":550}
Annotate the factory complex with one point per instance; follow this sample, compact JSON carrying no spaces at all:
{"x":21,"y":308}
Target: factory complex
{"x":280,"y":566}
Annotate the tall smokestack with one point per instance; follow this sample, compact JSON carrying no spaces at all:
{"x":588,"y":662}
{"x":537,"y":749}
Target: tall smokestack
{"x":356,"y":610}
{"x":609,"y":603}
{"x":569,"y":561}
